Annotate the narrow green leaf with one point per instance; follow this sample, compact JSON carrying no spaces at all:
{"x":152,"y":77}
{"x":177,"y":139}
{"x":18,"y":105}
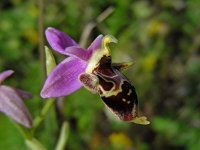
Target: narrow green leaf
{"x":34,"y":144}
{"x":63,"y":136}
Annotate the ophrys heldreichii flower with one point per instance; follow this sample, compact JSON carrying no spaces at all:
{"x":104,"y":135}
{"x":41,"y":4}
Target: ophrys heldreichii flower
{"x":93,"y":69}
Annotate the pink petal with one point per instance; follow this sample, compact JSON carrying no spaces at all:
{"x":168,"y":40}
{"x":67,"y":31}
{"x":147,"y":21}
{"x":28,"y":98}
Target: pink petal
{"x":12,"y":105}
{"x":77,"y":52}
{"x":58,"y":40}
{"x":5,"y":74}
{"x":96,"y":44}
{"x":63,"y":80}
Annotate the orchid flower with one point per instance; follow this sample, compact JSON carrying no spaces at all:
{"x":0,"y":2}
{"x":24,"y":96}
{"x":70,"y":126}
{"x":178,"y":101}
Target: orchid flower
{"x":63,"y":80}
{"x":11,"y":102}
{"x":93,"y":69}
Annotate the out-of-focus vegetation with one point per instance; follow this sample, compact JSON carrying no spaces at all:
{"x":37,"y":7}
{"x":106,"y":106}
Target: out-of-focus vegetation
{"x":161,"y":36}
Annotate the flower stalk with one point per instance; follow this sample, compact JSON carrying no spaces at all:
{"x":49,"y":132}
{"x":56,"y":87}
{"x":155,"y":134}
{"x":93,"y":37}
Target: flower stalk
{"x":50,"y":64}
{"x":64,"y":133}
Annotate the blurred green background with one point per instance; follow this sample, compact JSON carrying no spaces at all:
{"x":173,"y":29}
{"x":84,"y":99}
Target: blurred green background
{"x":161,"y":36}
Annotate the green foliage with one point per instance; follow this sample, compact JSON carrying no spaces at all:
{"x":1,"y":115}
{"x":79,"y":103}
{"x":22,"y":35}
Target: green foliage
{"x":161,"y":36}
{"x":11,"y":138}
{"x":178,"y":133}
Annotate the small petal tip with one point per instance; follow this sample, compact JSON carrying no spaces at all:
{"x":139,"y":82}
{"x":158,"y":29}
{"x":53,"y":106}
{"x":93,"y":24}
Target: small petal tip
{"x":5,"y":74}
{"x":141,"y":120}
{"x":109,"y":39}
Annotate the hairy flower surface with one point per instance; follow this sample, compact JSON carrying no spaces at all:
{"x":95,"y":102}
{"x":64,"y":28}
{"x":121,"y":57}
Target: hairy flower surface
{"x":11,"y":102}
{"x":63,"y":80}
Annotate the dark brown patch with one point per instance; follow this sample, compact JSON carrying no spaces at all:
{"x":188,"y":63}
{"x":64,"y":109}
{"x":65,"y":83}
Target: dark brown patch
{"x":107,"y":86}
{"x":122,"y":109}
{"x":105,"y":67}
{"x":105,"y":61}
{"x":105,"y":71}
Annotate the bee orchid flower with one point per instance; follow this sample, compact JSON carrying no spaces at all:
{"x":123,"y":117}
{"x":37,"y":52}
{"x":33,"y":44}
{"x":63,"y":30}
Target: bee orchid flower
{"x":11,"y":102}
{"x":93,"y":69}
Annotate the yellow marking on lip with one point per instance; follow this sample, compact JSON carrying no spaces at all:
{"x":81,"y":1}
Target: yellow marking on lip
{"x":102,"y":89}
{"x":129,"y":92}
{"x":123,"y":99}
{"x":112,"y":92}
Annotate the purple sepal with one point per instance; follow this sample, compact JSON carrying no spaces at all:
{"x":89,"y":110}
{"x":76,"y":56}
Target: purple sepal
{"x":95,"y":45}
{"x":77,"y":52}
{"x":12,"y":105}
{"x":63,"y":80}
{"x":5,"y":74}
{"x":58,"y":40}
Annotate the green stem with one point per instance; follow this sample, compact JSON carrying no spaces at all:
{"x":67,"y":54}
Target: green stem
{"x":49,"y":103}
{"x":31,"y":142}
{"x":34,"y":144}
{"x":41,"y":35}
{"x":24,"y":132}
